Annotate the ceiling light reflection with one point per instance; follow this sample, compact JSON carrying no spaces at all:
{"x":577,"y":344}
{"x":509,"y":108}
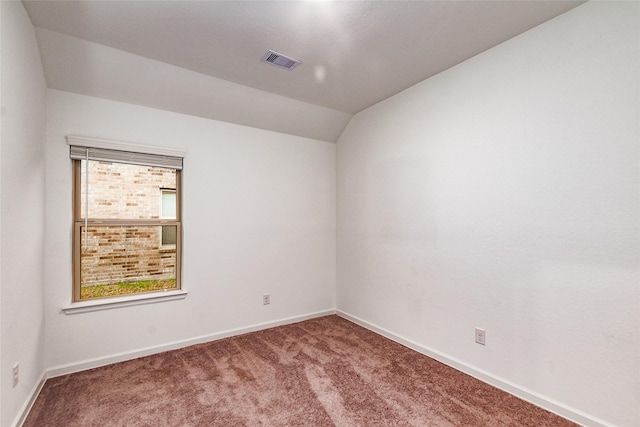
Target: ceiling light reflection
{"x":320,"y":73}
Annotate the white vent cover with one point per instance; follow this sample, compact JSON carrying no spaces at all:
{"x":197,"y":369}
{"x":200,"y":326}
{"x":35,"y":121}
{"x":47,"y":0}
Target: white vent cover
{"x":280,"y":60}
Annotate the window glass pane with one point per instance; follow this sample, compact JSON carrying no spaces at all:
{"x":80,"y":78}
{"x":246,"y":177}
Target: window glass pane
{"x":169,"y":233}
{"x":120,"y":260}
{"x":123,"y":191}
{"x":168,"y":204}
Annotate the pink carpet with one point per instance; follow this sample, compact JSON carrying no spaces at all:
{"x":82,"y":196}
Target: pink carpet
{"x":321,"y":372}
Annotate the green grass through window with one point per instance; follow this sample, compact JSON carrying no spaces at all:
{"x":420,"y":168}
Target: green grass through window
{"x":125,"y":288}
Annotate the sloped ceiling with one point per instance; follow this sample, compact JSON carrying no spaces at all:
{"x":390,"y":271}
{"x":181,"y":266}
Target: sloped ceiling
{"x":203,"y":58}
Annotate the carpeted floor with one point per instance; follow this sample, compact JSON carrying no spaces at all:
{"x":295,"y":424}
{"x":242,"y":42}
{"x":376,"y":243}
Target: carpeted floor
{"x":320,"y":372}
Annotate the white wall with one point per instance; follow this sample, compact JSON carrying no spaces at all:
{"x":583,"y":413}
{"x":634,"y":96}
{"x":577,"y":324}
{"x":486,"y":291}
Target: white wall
{"x":258,"y":217}
{"x":22,"y":168}
{"x":504,"y":193}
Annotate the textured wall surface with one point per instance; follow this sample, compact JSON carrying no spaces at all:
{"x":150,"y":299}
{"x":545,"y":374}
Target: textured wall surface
{"x":503,"y":194}
{"x":22,"y":194}
{"x":258,"y":213}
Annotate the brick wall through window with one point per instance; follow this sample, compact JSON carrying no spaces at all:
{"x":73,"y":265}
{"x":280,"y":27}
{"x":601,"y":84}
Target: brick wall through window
{"x":116,"y":254}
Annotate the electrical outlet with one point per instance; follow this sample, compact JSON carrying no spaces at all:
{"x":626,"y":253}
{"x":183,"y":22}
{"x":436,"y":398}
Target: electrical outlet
{"x":16,"y":374}
{"x":266,"y":299}
{"x":480,"y":336}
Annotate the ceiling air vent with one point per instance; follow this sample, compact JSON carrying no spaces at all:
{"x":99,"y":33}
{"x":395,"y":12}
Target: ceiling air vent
{"x":279,"y":60}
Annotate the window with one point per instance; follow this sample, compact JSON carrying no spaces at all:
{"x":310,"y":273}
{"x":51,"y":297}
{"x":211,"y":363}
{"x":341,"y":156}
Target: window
{"x":168,"y":211}
{"x":116,"y":249}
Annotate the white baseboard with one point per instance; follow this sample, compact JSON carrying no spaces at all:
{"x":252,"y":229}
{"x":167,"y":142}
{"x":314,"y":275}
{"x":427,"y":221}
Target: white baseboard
{"x":31,"y":399}
{"x":530,"y":396}
{"x":121,"y":357}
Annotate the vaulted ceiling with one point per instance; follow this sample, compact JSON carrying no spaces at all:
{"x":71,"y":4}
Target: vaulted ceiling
{"x":203,"y":57}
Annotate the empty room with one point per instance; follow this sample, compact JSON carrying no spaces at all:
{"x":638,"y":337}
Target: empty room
{"x":320,"y":213}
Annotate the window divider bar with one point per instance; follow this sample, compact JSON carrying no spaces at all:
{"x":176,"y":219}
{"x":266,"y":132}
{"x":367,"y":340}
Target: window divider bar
{"x":129,"y":222}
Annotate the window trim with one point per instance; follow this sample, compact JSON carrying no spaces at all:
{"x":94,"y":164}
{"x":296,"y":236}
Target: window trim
{"x":79,"y":221}
{"x":98,"y":304}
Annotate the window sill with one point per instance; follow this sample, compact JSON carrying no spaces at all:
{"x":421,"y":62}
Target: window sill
{"x":125,"y":301}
